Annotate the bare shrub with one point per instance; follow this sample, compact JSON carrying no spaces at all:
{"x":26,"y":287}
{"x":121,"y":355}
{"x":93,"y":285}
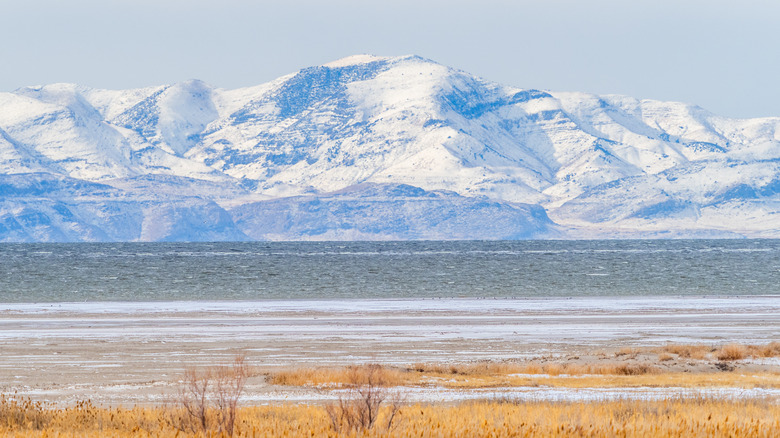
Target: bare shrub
{"x":627,"y":351}
{"x":769,"y":350}
{"x":209,"y":398}
{"x":688,"y":351}
{"x":358,"y":410}
{"x":637,"y":369}
{"x":732,"y":352}
{"x":663,"y":357}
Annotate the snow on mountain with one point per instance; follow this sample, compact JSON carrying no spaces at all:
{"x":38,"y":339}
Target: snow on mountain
{"x":16,"y":157}
{"x":38,"y":207}
{"x":386,"y":211}
{"x":66,"y":131}
{"x":383,"y":147}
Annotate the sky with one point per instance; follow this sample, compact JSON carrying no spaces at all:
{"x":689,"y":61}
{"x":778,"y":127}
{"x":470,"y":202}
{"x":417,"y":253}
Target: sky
{"x":721,"y":55}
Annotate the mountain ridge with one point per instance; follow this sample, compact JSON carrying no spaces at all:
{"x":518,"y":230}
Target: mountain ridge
{"x":598,"y":166}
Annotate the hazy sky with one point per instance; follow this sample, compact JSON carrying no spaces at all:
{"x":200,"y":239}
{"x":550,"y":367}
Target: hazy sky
{"x":722,"y":55}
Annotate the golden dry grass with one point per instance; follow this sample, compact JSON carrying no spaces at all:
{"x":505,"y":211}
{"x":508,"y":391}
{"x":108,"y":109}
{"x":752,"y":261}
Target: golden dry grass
{"x":486,"y":375}
{"x":676,"y":418}
{"x":689,"y":351}
{"x":422,"y":373}
{"x":550,"y":368}
{"x":338,"y":376}
{"x":726,"y":352}
{"x":672,"y":418}
{"x":732,"y":352}
{"x":665,"y":380}
{"x":627,"y":351}
{"x":459,"y":372}
{"x":770,"y":350}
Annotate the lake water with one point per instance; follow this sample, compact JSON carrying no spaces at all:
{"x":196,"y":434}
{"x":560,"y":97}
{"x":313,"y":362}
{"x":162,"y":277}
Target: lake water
{"x":359,"y":270}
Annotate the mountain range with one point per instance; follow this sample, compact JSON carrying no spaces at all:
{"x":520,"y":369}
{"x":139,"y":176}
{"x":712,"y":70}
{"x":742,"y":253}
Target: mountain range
{"x":373,"y":147}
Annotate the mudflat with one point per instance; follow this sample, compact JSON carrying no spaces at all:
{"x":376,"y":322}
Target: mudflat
{"x":124,"y":353}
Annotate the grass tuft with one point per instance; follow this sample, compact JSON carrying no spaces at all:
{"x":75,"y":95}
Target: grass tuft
{"x":732,"y":352}
{"x":689,"y":351}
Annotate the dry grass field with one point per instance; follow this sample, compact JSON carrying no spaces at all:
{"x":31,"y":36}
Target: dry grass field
{"x":670,"y":418}
{"x":371,"y":401}
{"x":332,"y":378}
{"x":699,"y":366}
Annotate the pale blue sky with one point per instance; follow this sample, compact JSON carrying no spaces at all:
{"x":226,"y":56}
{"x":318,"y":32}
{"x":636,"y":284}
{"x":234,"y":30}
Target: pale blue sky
{"x":722,"y":55}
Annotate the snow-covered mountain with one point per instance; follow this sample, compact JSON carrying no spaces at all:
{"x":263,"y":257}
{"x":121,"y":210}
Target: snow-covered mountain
{"x":377,"y":148}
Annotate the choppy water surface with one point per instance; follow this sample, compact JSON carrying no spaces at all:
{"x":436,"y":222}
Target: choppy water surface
{"x":252,"y":271}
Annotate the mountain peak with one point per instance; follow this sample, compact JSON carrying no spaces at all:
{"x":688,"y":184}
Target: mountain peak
{"x":405,"y":125}
{"x":362,"y":59}
{"x":355,"y":60}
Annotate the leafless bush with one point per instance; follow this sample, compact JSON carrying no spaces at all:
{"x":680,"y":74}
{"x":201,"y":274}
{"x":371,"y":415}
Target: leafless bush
{"x":209,"y":398}
{"x":360,"y":407}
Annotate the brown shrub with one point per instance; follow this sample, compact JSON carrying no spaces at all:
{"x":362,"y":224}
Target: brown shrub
{"x":732,"y":352}
{"x":359,"y":409}
{"x":770,"y":350}
{"x":624,"y":369}
{"x":688,"y":351}
{"x":209,"y":398}
{"x":627,"y":351}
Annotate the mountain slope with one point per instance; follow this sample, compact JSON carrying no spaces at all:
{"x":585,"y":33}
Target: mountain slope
{"x":551,"y":164}
{"x":386,"y":211}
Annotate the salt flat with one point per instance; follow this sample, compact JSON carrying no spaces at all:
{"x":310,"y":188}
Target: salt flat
{"x":130,"y":352}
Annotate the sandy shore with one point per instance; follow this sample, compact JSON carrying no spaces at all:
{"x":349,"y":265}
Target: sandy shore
{"x":124,"y":353}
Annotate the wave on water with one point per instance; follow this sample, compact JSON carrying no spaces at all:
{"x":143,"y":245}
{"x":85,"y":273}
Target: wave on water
{"x":386,"y":270}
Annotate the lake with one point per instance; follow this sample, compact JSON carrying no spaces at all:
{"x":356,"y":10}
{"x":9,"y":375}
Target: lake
{"x":78,"y":272}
